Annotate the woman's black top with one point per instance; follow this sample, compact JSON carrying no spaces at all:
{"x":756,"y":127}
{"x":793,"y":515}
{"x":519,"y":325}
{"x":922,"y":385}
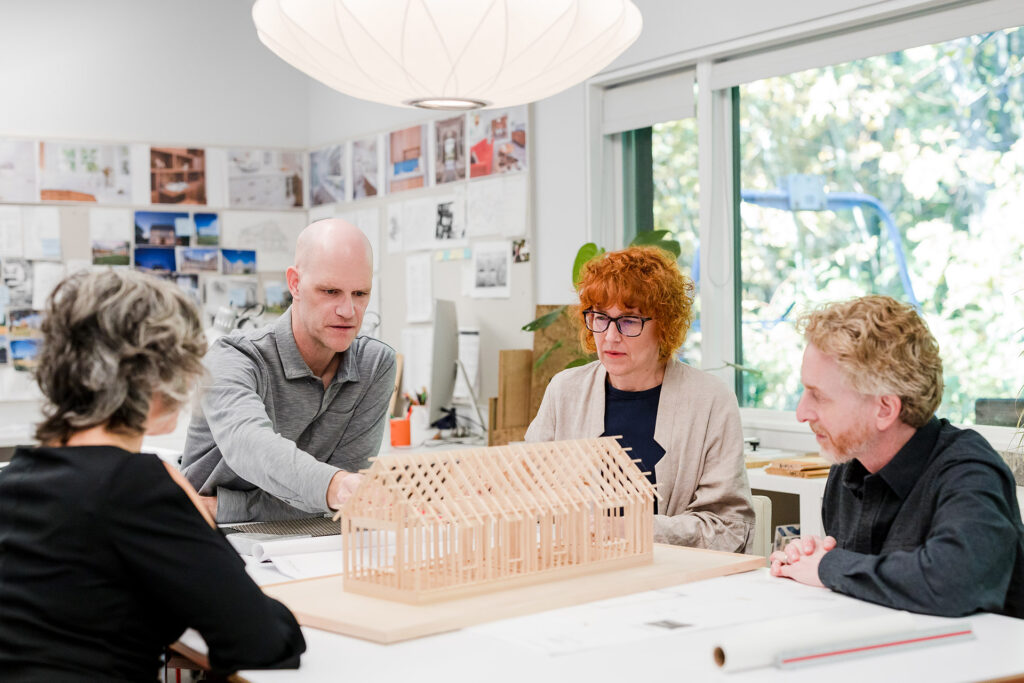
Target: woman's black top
{"x":104,"y":560}
{"x":632,"y":415}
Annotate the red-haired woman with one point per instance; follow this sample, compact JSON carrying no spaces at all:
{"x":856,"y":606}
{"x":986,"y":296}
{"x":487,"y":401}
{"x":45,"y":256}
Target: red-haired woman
{"x":684,"y":424}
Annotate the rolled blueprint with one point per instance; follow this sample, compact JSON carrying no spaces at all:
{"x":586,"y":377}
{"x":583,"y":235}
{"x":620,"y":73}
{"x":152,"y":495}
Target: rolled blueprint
{"x":763,"y":643}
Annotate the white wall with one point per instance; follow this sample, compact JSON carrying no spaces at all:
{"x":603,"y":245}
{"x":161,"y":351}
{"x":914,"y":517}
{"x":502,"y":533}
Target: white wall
{"x":188,"y":72}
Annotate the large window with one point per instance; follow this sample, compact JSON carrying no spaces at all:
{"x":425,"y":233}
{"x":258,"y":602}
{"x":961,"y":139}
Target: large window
{"x":901,"y":174}
{"x":666,"y":198}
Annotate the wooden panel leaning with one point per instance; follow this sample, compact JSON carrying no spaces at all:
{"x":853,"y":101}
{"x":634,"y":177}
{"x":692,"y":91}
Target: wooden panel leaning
{"x":511,"y":411}
{"x":426,"y":526}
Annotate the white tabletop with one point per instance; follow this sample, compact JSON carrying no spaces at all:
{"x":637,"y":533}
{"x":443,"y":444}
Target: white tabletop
{"x":491,"y":653}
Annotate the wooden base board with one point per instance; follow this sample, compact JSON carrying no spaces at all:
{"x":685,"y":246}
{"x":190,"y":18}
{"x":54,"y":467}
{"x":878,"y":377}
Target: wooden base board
{"x":322,"y":602}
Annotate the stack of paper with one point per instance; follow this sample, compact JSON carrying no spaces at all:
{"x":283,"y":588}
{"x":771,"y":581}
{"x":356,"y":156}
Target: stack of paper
{"x":805,"y":467}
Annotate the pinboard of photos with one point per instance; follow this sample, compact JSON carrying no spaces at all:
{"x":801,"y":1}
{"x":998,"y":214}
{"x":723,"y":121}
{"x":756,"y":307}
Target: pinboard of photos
{"x":221,"y":222}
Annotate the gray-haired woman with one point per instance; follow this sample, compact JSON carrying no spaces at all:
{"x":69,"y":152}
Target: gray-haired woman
{"x":105,"y":554}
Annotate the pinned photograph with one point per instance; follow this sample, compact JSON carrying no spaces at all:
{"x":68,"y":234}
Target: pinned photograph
{"x":18,"y":171}
{"x":406,"y":158}
{"x":491,"y":265}
{"x":24,"y":323}
{"x":327,"y":175}
{"x":277,"y":297}
{"x":198,"y":260}
{"x":177,"y":175}
{"x":264,"y":178}
{"x":25,"y":354}
{"x":82,"y":172}
{"x":111,"y":253}
{"x":450,"y":150}
{"x":497,"y":141}
{"x":207,"y":229}
{"x":365,"y":168}
{"x":520,"y":251}
{"x":3,"y":338}
{"x":162,"y":228}
{"x":238,"y":261}
{"x":155,"y":260}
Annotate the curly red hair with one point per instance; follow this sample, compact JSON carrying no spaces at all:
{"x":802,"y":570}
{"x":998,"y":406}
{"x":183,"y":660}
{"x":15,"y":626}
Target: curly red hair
{"x":643,"y":278}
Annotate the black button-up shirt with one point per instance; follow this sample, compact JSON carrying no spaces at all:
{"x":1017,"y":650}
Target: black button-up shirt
{"x":937,"y":530}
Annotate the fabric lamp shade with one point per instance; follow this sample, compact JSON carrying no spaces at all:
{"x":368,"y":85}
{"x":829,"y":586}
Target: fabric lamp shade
{"x":448,"y":54}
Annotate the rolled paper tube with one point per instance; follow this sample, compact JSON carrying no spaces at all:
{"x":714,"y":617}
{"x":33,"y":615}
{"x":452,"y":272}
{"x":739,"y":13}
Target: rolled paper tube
{"x":761,"y":643}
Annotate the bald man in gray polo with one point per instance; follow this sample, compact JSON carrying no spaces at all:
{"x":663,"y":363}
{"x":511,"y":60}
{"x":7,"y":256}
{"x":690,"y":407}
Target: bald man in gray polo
{"x":296,"y":409}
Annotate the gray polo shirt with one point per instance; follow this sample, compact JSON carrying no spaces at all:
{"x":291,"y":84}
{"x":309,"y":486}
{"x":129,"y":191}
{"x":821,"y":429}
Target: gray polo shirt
{"x":267,"y":437}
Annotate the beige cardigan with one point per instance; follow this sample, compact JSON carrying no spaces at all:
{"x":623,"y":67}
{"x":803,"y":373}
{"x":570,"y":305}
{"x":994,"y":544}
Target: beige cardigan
{"x":705,"y":496}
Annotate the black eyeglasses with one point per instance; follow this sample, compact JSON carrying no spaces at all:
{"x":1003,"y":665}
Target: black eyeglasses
{"x":628,"y":325}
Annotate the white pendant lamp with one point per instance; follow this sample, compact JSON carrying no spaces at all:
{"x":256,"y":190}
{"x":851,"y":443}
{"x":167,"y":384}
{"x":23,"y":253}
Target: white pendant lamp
{"x":448,"y":54}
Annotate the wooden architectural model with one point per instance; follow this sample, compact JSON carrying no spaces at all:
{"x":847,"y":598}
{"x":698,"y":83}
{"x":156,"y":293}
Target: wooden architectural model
{"x":431,"y":526}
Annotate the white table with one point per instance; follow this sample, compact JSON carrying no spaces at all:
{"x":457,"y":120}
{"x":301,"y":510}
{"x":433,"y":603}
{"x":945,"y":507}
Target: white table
{"x":475,"y":654}
{"x":810,"y":492}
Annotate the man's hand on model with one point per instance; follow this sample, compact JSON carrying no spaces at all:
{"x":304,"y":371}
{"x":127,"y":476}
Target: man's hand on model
{"x":343,"y":485}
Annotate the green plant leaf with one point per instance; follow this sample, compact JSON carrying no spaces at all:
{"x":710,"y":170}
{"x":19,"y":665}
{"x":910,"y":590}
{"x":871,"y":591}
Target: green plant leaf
{"x":545,"y":320}
{"x":587,"y":252}
{"x":580,"y":360}
{"x":544,"y":356}
{"x":657,"y":238}
{"x":649,"y":237}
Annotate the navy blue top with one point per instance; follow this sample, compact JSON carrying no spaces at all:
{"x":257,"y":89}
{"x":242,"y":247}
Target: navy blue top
{"x":937,"y":530}
{"x":632,"y":415}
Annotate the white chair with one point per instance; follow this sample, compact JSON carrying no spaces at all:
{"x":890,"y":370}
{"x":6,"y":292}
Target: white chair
{"x":762,"y":527}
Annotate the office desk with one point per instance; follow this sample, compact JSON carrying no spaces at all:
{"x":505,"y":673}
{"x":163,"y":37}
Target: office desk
{"x":810,"y":492}
{"x":484,"y":654}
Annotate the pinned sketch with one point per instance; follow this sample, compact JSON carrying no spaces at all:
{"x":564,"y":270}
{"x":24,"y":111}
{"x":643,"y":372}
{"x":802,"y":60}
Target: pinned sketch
{"x":41,"y":226}
{"x":276,"y":297}
{"x":264,"y":178}
{"x":177,"y":175}
{"x":271,"y":234}
{"x":74,"y":233}
{"x":407,"y":150}
{"x":110,"y":224}
{"x":395,"y":221}
{"x":162,"y":228}
{"x":419,"y":298}
{"x":368,"y":221}
{"x":198,"y":259}
{"x":238,"y":261}
{"x":11,"y":241}
{"x":189,"y":283}
{"x":417,"y":352}
{"x":450,"y":150}
{"x":45,"y":277}
{"x":17,"y":276}
{"x":437,"y":222}
{"x":491,"y":265}
{"x":372,"y":316}
{"x":365,"y":168}
{"x":18,"y":171}
{"x":207,"y":229}
{"x":469,"y":356}
{"x":327,"y":175}
{"x":83,"y":172}
{"x":497,"y":207}
{"x":155,"y":260}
